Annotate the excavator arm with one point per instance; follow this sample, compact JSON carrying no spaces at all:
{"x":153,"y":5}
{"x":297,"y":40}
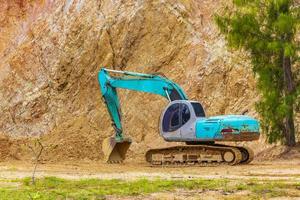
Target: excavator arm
{"x":115,"y":148}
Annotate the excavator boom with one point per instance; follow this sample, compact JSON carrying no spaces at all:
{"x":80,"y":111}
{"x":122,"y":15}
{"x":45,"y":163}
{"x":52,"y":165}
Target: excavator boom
{"x":115,"y":147}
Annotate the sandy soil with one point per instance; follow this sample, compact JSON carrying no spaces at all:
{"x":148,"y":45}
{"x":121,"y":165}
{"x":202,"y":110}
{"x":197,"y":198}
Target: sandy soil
{"x":279,"y":170}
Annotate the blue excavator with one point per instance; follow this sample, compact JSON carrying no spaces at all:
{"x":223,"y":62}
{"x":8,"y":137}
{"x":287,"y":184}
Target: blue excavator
{"x":182,"y":120}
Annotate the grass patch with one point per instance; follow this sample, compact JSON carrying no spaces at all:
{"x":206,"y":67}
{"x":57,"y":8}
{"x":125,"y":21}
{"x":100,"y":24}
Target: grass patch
{"x":56,"y":188}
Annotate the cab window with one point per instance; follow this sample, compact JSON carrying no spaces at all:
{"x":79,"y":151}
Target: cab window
{"x":185,"y":113}
{"x":175,"y":116}
{"x":199,"y":111}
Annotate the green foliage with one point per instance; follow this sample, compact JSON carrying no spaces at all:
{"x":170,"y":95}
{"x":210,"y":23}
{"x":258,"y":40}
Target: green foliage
{"x":266,"y":29}
{"x":56,"y":188}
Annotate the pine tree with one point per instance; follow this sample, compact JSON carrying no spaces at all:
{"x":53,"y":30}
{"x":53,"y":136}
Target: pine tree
{"x":268,"y":30}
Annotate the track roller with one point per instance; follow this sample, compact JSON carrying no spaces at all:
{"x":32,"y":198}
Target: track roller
{"x":199,"y":155}
{"x":247,"y":155}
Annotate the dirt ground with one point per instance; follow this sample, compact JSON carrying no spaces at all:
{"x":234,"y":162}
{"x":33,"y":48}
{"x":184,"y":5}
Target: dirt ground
{"x":281,"y":170}
{"x":275,"y":170}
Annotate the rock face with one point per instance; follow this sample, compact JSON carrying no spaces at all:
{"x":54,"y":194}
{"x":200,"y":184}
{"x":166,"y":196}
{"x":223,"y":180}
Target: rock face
{"x":49,"y":69}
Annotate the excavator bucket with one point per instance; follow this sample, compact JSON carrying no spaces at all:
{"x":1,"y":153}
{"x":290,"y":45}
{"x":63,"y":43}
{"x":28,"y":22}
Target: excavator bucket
{"x":115,"y":151}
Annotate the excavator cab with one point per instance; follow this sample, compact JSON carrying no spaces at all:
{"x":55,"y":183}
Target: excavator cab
{"x":177,"y":121}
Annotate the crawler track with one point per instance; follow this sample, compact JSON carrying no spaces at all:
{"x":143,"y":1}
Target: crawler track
{"x":199,"y":155}
{"x":247,"y":155}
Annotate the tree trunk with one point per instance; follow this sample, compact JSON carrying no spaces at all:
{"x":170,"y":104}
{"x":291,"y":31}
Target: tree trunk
{"x":289,"y":128}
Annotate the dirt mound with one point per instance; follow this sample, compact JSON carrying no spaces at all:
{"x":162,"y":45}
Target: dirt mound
{"x":11,"y":148}
{"x":72,"y":140}
{"x":279,"y":152}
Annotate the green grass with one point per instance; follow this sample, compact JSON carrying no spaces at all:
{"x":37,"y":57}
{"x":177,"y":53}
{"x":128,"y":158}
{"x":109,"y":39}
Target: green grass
{"x":56,"y":188}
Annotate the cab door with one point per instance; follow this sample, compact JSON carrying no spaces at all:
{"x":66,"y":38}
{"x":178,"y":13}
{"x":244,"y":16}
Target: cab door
{"x":171,"y":119}
{"x":187,"y":129}
{"x":177,"y":115}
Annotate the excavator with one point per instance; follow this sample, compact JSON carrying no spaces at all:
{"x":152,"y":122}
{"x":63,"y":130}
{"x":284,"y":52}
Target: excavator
{"x":182,"y":120}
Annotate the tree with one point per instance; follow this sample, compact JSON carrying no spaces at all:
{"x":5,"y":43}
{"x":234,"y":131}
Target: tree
{"x":267,"y":30}
{"x":37,"y":150}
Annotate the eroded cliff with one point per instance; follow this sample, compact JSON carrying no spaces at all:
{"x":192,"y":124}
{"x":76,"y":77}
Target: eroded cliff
{"x":49,"y":69}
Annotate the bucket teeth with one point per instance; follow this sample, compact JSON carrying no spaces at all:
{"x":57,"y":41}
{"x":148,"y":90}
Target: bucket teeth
{"x":115,"y":151}
{"x":114,"y":161}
